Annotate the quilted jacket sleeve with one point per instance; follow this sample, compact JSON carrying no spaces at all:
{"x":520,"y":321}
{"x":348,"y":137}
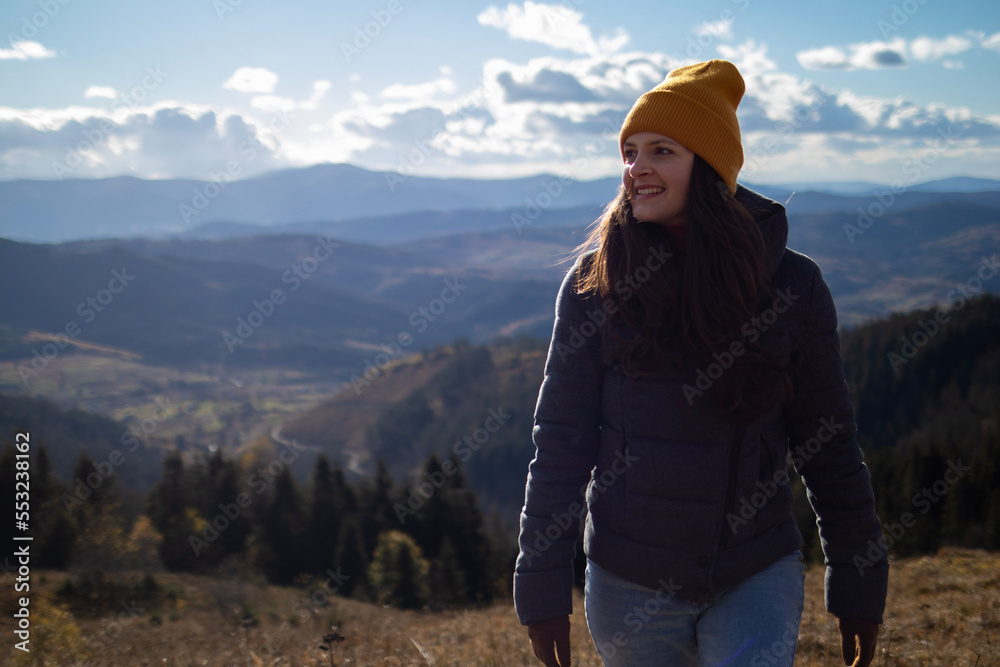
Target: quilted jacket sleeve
{"x":824,"y":449}
{"x":566,"y":435}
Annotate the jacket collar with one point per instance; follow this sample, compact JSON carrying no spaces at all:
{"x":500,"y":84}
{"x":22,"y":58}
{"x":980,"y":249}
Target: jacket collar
{"x":773,"y":223}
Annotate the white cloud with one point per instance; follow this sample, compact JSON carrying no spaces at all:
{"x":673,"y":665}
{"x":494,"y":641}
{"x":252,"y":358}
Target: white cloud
{"x":557,"y":26}
{"x":772,"y":94}
{"x":320,"y":89}
{"x":547,"y":114}
{"x":48,"y":120}
{"x":276,"y":103}
{"x":775,"y":100}
{"x":273,"y":103}
{"x":928,"y":48}
{"x":165,"y":140}
{"x":100,"y":91}
{"x":721,"y":29}
{"x":863,"y":55}
{"x":827,"y":57}
{"x":601,"y":81}
{"x":558,"y":114}
{"x":26,"y":50}
{"x":992,"y":42}
{"x":420,"y":91}
{"x":252,"y":80}
{"x":749,"y":57}
{"x":562,"y":115}
{"x":879,"y":55}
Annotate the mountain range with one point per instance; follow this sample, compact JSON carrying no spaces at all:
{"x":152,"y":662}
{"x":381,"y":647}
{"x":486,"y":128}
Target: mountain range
{"x":330,"y":293}
{"x":389,"y":207}
{"x":262,"y":280}
{"x":187,"y":301}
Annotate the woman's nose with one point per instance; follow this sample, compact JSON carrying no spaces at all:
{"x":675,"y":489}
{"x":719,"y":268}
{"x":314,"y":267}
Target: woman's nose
{"x":638,"y":166}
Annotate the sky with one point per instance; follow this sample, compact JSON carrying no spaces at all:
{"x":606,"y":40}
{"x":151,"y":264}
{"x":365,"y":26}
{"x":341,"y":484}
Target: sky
{"x":900,"y":91}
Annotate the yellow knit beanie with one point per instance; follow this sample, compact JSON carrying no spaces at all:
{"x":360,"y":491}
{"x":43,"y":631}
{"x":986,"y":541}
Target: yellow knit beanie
{"x":696,"y":106}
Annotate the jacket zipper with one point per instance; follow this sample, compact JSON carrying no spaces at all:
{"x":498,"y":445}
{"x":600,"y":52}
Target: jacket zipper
{"x":734,"y":462}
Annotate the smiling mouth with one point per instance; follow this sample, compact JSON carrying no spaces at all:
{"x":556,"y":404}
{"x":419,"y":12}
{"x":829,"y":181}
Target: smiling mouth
{"x":649,"y":191}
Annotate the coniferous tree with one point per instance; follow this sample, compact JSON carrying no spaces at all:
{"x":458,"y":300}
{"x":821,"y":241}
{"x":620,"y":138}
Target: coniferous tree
{"x":56,"y":530}
{"x":326,"y":515}
{"x":184,"y":532}
{"x":930,"y":503}
{"x":446,"y":578}
{"x":280,"y":527}
{"x":431,"y":523}
{"x":341,"y":489}
{"x":214,"y":487}
{"x":352,"y":561}
{"x":503,"y":548}
{"x":451,"y":514}
{"x":377,"y":514}
{"x":94,"y":491}
{"x":467,"y":534}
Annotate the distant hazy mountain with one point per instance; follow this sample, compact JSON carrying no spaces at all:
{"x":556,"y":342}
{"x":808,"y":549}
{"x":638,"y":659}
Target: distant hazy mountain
{"x":188,"y":292}
{"x":50,"y":211}
{"x":369,"y":207}
{"x":393,"y":229}
{"x":821,"y":202}
{"x":846,"y":188}
{"x":177,"y":310}
{"x":404,"y":228}
{"x":421,"y":225}
{"x":181,"y":299}
{"x":867,"y":188}
{"x":905,"y":259}
{"x":959,"y":184}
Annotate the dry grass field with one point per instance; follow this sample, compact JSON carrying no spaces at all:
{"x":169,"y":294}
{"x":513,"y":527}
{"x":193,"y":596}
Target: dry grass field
{"x":942,"y":610}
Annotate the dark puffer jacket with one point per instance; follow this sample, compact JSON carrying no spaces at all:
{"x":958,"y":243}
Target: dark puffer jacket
{"x":678,"y":497}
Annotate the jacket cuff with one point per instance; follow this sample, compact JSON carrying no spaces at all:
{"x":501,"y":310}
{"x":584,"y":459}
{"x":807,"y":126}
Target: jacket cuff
{"x":541,"y":595}
{"x":857,"y":591}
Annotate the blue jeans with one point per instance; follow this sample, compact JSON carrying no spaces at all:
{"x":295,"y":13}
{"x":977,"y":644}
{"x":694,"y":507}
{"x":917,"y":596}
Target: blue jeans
{"x":754,"y":623}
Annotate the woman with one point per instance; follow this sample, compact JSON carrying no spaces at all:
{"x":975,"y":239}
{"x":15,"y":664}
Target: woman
{"x":691,"y":353}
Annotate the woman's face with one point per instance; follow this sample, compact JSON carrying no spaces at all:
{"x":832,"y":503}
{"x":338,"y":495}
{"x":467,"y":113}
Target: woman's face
{"x":656,"y":177}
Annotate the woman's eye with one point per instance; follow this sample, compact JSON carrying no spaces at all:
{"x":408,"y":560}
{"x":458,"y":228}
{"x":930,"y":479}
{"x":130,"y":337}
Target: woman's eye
{"x":631,"y":154}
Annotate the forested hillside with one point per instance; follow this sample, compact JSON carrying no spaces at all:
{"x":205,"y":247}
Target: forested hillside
{"x":926,"y":386}
{"x":439,"y":403}
{"x":414,"y":478}
{"x":68,"y":433}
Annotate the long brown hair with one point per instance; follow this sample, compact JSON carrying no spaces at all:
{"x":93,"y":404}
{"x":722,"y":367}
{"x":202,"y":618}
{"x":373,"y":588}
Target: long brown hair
{"x":705,"y":299}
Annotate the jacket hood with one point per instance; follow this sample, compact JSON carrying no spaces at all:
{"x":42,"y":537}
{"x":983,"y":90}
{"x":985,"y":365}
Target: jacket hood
{"x":773,"y":223}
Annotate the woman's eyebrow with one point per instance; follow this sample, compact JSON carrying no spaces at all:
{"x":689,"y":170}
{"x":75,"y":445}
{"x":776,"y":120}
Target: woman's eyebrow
{"x":654,"y":141}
